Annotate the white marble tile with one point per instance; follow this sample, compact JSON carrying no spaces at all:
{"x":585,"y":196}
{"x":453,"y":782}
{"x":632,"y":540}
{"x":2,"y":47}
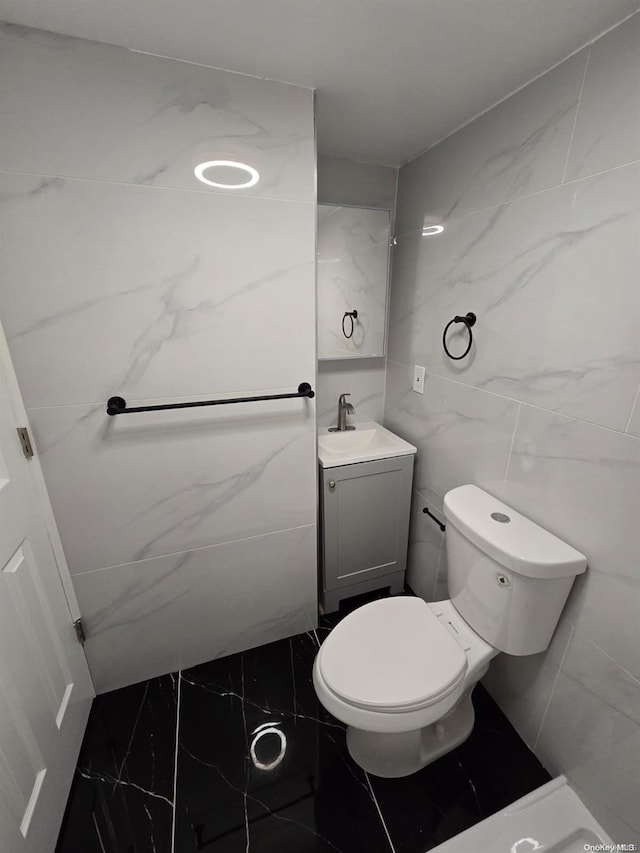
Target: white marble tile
{"x":481,"y":263}
{"x":583,"y":484}
{"x":342,"y":181}
{"x":144,"y":292}
{"x":591,"y":731}
{"x":552,"y":281}
{"x":462,"y":435}
{"x":77,"y":108}
{"x":593,"y":313}
{"x":607,"y":132}
{"x":177,"y":611}
{"x":141,"y":485}
{"x":441,"y":589}
{"x":363,"y":379}
{"x":522,"y":686}
{"x":425,"y":546}
{"x":518,"y":147}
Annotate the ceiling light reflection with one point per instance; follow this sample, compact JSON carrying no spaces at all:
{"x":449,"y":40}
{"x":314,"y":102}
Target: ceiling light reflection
{"x":201,"y":168}
{"x":526,"y":845}
{"x":259,"y":733}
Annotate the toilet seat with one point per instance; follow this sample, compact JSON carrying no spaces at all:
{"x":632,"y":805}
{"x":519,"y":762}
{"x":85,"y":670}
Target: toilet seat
{"x":392,"y":655}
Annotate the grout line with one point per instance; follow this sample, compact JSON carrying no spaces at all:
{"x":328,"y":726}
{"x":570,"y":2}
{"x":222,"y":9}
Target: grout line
{"x":195,"y":550}
{"x":607,"y":655}
{"x":513,"y":440}
{"x":133,"y":734}
{"x":387,"y":338}
{"x":438,"y":568}
{"x":518,"y":198}
{"x":633,"y":408}
{"x":575,"y":118}
{"x":466,"y":385}
{"x":246,"y":768}
{"x":511,"y":94}
{"x":551,"y":692}
{"x":386,"y":368}
{"x":175,"y":766}
{"x":303,"y":86}
{"x":393,"y":849}
{"x":108,"y":182}
{"x":525,"y":402}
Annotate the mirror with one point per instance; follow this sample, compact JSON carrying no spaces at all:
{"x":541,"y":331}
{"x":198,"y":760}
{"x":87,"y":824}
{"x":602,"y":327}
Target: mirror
{"x":353,"y":278}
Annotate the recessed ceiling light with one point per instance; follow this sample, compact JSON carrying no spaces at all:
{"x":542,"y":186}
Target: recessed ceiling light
{"x":201,"y":168}
{"x":430,"y":230}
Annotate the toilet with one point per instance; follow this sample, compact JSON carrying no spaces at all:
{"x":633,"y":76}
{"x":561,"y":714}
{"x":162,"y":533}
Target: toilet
{"x":400,"y":671}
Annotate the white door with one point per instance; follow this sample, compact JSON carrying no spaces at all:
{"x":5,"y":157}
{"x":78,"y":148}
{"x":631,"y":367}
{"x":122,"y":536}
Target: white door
{"x":45,"y":687}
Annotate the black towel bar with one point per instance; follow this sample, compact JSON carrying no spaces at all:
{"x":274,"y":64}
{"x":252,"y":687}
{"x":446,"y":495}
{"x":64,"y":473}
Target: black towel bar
{"x":118,"y":405}
{"x":437,"y":520}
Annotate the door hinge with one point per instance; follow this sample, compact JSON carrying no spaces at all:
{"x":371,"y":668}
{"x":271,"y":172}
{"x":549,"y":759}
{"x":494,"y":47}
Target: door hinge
{"x":80,"y":634}
{"x":25,"y":441}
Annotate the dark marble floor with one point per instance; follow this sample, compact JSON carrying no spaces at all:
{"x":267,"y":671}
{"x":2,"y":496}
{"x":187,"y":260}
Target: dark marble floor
{"x":260,"y":766}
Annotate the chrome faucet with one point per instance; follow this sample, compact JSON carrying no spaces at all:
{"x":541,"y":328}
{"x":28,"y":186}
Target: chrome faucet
{"x":344,"y":409}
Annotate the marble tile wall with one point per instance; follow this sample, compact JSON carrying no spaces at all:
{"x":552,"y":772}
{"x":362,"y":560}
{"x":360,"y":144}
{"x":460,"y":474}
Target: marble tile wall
{"x":540,"y":202}
{"x":189,"y":534}
{"x":347,"y":182}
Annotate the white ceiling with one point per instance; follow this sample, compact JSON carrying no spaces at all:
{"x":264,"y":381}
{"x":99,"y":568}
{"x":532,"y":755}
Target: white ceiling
{"x":393,"y":76}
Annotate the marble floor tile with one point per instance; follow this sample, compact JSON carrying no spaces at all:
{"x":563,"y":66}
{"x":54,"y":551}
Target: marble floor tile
{"x":122,"y":795}
{"x":261,"y":767}
{"x":487,"y":772}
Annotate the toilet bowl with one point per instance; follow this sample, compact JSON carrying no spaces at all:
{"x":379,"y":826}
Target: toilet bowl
{"x":400,"y":671}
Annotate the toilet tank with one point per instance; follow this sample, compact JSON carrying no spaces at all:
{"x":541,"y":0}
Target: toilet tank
{"x":508,"y":577}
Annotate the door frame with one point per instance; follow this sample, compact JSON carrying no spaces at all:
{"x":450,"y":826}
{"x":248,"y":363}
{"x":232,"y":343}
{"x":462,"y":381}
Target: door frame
{"x":20,"y":415}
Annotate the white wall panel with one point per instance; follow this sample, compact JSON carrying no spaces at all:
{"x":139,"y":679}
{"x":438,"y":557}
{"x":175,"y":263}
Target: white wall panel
{"x":540,"y":201}
{"x":124,"y":275}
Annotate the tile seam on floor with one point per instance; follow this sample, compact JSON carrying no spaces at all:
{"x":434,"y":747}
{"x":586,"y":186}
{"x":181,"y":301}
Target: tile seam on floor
{"x":382,"y":821}
{"x":133,"y":733}
{"x":246,"y":768}
{"x":175,"y":765}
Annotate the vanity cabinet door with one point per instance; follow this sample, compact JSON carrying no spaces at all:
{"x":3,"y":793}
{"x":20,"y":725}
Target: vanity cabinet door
{"x":365,"y":516}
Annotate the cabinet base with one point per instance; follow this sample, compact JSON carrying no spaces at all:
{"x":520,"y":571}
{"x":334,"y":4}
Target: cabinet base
{"x":330,"y":598}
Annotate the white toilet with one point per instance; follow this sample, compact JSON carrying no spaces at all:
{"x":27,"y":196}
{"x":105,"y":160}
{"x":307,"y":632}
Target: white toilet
{"x":400,"y":671}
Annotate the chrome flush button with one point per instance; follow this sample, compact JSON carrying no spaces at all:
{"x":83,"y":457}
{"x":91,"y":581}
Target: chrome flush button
{"x":501,"y":517}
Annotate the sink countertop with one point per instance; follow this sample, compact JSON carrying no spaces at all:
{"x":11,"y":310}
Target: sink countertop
{"x":367,"y":442}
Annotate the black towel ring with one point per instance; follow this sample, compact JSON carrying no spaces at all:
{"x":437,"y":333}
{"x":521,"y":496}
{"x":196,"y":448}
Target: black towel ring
{"x":352,"y":315}
{"x":469,"y":321}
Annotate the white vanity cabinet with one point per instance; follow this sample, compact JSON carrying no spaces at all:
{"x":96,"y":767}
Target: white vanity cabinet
{"x":364,"y":513}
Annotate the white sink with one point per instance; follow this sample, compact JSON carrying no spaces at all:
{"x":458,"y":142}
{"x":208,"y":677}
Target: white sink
{"x":367,"y":442}
{"x":551,"y":819}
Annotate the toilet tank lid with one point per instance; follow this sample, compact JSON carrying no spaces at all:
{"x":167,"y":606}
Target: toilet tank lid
{"x":518,"y":543}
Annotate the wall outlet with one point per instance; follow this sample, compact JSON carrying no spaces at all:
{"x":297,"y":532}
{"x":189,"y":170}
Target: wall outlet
{"x":418,"y":379}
